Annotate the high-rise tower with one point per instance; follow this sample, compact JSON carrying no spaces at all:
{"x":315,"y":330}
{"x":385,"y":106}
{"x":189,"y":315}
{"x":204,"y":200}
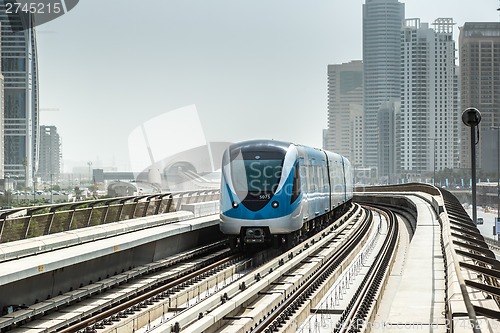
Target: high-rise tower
{"x":479,"y":45}
{"x":382,"y":22}
{"x":19,"y":68}
{"x":345,"y":111}
{"x":50,"y":154}
{"x":428,"y":122}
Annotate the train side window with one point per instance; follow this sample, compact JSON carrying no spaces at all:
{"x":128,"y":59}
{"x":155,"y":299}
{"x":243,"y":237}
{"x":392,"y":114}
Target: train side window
{"x":303,"y":176}
{"x":311,"y":176}
{"x":331,"y":175}
{"x":308,"y":177}
{"x":325,"y":178}
{"x":296,"y":183}
{"x":320,"y":179}
{"x":313,"y":184}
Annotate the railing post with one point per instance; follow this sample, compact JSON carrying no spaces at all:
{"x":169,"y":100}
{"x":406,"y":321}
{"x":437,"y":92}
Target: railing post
{"x":179,"y":203}
{"x":50,"y":223}
{"x":146,"y":207}
{"x":159,"y":202}
{"x":105,"y":215}
{"x":27,"y":228}
{"x":1,"y":229}
{"x":121,"y":211}
{"x":136,"y":201}
{"x":90,"y":216}
{"x":169,"y":203}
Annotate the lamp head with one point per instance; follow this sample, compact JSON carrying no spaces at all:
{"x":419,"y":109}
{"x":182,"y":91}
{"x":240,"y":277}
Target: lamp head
{"x":471,"y":117}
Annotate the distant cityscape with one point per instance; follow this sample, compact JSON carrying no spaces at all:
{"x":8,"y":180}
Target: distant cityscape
{"x":395,"y":113}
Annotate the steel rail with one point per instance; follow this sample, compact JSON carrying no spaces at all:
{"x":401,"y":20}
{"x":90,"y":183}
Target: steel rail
{"x":270,"y":323}
{"x":143,"y":297}
{"x":353,"y":318}
{"x":217,"y":307}
{"x":131,"y":276}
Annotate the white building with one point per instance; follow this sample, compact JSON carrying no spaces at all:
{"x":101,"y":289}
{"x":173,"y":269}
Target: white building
{"x":429,"y":118}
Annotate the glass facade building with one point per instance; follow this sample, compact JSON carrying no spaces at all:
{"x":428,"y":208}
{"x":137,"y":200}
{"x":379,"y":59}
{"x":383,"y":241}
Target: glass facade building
{"x":21,"y":113}
{"x":479,"y":46}
{"x":50,"y":154}
{"x":382,"y":22}
{"x":345,"y":111}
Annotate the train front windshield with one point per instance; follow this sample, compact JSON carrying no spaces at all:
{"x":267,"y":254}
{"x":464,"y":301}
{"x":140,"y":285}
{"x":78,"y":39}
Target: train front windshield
{"x":256,"y":175}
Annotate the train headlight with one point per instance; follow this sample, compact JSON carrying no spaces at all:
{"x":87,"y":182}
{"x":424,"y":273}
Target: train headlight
{"x":275,"y":204}
{"x":235,"y":204}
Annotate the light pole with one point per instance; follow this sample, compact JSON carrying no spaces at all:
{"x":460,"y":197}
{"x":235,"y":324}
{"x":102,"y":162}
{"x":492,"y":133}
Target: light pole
{"x":498,"y":173}
{"x":354,"y":175}
{"x":7,"y":189}
{"x":434,"y":162}
{"x":50,"y":170}
{"x":353,"y":159}
{"x":471,"y":117}
{"x":90,"y":174}
{"x":51,"y":188}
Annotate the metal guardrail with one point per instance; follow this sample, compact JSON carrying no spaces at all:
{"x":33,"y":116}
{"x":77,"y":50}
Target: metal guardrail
{"x":28,"y":222}
{"x":493,"y":244}
{"x":472,"y":270}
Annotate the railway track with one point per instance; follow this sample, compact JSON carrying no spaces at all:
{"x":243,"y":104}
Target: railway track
{"x":170,"y":288}
{"x":175,"y":293}
{"x":287,"y":293}
{"x":232,"y":295}
{"x":280,"y":284}
{"x":360,"y":310}
{"x":127,"y":290}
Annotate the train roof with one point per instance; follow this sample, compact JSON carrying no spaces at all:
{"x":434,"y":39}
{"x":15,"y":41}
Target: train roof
{"x":264,"y":144}
{"x":261,"y":143}
{"x":269,"y":144}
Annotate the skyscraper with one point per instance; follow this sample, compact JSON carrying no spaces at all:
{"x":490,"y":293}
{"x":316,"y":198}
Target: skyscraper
{"x":345,"y":111}
{"x":50,"y":154}
{"x":480,"y":85}
{"x":382,"y":22}
{"x":428,"y":122}
{"x":19,"y":68}
{"x":2,"y":117}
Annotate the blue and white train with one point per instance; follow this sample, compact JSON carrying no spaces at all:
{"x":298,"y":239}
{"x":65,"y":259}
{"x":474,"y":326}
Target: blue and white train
{"x":277,"y":192}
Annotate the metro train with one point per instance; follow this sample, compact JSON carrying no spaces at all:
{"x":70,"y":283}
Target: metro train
{"x":275,"y":192}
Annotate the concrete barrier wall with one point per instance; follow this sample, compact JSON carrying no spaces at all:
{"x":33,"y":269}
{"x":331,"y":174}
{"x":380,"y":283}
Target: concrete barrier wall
{"x":59,"y":281}
{"x":202,"y":208}
{"x":411,"y":187}
{"x":376,"y":199}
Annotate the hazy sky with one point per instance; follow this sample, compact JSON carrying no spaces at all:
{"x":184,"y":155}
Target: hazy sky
{"x":254,"y":69}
